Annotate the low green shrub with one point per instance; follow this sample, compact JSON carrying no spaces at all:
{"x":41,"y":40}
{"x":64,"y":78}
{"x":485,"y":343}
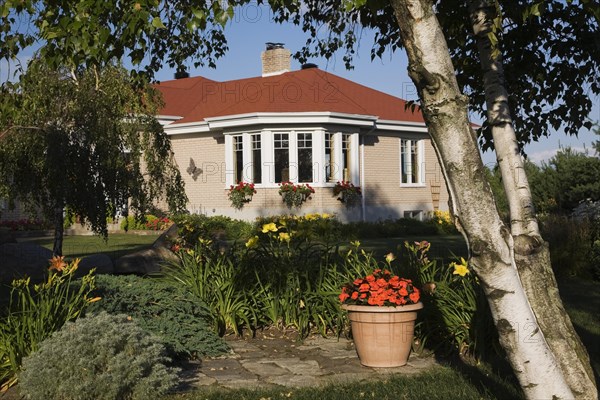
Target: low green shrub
{"x":193,"y":227}
{"x":98,"y":357}
{"x":145,"y":223}
{"x":182,"y":323}
{"x":390,"y":228}
{"x":442,"y":220}
{"x":36,"y":311}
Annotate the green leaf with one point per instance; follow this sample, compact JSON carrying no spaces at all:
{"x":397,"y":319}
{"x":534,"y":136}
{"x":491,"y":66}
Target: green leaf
{"x":198,"y":13}
{"x":157,"y":23}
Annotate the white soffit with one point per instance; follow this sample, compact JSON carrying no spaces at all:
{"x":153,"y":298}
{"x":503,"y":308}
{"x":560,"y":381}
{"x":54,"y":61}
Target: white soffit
{"x":299,"y":118}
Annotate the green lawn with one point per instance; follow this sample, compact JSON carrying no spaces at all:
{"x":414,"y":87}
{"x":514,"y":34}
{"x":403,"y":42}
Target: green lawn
{"x":582,"y":301}
{"x":118,"y":244}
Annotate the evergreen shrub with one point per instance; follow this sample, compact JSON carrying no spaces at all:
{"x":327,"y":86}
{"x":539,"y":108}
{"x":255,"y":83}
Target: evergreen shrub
{"x":182,"y":322}
{"x":100,"y":357}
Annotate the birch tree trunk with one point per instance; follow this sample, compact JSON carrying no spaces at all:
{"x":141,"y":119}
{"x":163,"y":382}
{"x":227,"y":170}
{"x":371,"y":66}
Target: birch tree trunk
{"x":490,"y":242}
{"x":531,"y":252}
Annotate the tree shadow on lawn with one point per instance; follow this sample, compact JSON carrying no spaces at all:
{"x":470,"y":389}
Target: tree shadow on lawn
{"x":493,"y":376}
{"x":582,"y":301}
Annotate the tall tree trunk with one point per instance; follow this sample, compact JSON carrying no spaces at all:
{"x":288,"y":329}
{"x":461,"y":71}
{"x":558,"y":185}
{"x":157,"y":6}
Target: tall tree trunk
{"x":490,"y":242}
{"x":59,"y":220}
{"x":531,"y":252}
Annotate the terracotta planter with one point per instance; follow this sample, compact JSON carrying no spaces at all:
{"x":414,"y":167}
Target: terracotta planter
{"x":383,"y":335}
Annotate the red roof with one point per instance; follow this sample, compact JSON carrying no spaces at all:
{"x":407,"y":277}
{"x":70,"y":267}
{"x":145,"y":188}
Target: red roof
{"x":307,"y":90}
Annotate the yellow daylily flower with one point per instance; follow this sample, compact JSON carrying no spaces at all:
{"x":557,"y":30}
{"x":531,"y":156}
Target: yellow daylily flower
{"x":252,"y":242}
{"x":390,"y":257}
{"x":283,"y":236}
{"x":270,"y":227}
{"x":460,"y":268}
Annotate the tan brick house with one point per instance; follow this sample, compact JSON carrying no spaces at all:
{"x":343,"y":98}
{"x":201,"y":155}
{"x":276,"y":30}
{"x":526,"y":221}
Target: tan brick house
{"x":305,"y":126}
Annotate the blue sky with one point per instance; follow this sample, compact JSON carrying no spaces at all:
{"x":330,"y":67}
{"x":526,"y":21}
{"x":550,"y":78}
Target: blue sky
{"x":252,"y":27}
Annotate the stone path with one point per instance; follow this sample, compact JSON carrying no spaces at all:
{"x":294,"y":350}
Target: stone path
{"x":286,"y":363}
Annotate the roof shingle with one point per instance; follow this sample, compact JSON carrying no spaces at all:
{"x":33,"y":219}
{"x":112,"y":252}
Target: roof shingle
{"x":307,"y":90}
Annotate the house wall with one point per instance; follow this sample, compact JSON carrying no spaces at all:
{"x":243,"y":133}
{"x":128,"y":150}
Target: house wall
{"x":18,"y":213}
{"x":386,"y":197}
{"x":201,"y":159}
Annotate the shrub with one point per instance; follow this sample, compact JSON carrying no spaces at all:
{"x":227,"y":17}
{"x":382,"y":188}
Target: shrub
{"x":442,"y":220}
{"x":145,"y":222}
{"x":389,"y":228}
{"x":165,"y":310}
{"x":571,"y":241}
{"x":36,"y":311}
{"x":193,"y":227}
{"x":98,"y":357}
{"x":26,"y":224}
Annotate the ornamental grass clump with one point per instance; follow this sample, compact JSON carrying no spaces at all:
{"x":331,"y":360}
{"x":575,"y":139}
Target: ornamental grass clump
{"x":241,"y":194}
{"x":100,"y":357}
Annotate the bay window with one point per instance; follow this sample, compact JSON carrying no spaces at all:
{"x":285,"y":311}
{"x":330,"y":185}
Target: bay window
{"x":270,"y":157}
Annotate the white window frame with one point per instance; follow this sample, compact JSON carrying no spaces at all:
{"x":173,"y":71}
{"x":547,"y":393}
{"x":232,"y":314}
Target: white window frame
{"x":420,"y":159}
{"x":338,"y":154}
{"x":268,"y":156}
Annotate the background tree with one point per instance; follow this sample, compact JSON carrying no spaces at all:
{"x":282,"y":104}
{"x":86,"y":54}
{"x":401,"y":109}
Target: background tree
{"x":86,"y":140}
{"x":573,"y":178}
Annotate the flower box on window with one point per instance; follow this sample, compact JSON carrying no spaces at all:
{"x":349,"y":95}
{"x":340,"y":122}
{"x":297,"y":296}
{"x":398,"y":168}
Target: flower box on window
{"x":241,"y":194}
{"x":347,"y":193}
{"x":294,"y":195}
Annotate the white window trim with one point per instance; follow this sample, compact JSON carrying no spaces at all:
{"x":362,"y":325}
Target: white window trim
{"x":421,"y":161}
{"x":268,"y":156}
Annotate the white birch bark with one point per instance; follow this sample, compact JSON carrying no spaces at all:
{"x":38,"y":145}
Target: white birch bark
{"x":490,"y":242}
{"x":531,"y":253}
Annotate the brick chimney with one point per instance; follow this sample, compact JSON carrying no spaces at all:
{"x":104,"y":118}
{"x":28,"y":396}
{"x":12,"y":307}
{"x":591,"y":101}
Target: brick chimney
{"x":275,"y":59}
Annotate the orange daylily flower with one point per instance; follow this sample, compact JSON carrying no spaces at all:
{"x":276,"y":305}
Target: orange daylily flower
{"x":57,"y":263}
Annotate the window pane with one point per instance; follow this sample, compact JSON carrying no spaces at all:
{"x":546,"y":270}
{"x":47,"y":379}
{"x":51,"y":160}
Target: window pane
{"x":346,"y":156}
{"x":409,"y":161}
{"x":282,"y":157}
{"x":329,"y":158}
{"x":305,"y":164}
{"x":414,"y":159}
{"x":256,"y":159}
{"x":238,"y":159}
{"x":404,"y":161}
